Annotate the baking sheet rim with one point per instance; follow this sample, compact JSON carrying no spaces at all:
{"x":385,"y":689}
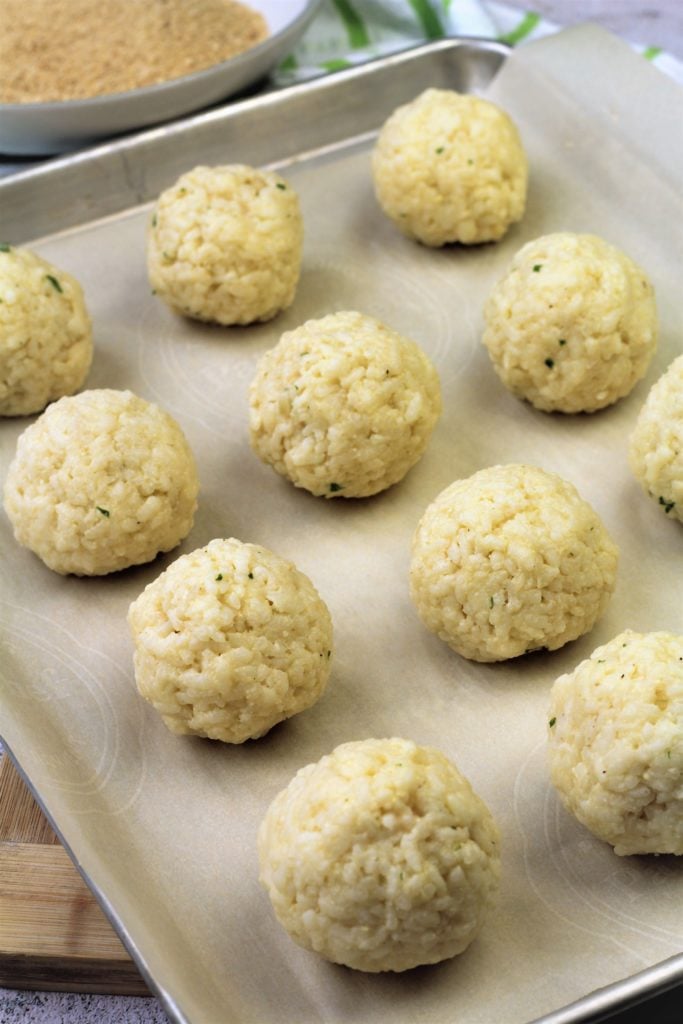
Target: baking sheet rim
{"x":652,"y":981}
{"x":629,"y":991}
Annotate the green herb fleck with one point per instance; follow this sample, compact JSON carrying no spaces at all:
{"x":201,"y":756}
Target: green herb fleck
{"x":336,"y":487}
{"x":105,"y":511}
{"x":329,"y":654}
{"x":550,"y":363}
{"x":250,"y":575}
{"x":668,"y":754}
{"x":470,"y":162}
{"x":537,"y":267}
{"x":182,"y":191}
{"x":439,"y":149}
{"x":490,"y":602}
{"x":280,"y":186}
{"x":563,"y":341}
{"x":219,"y":577}
{"x":154,"y":220}
{"x":5,"y":247}
{"x":601,"y":661}
{"x":668,"y":505}
{"x":54,"y":282}
{"x":552,"y":721}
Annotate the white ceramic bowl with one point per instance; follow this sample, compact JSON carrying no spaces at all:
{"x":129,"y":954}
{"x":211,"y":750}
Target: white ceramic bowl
{"x":43,"y":128}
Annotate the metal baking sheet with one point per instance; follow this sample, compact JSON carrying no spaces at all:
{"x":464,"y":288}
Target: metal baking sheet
{"x":163,"y":827}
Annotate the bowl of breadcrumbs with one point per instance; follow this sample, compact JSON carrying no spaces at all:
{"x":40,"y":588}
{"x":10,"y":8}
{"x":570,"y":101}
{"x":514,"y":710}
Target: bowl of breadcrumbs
{"x":72,"y":71}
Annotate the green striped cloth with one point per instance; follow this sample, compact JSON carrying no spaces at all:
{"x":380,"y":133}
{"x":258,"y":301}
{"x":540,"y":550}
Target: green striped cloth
{"x":347,"y":32}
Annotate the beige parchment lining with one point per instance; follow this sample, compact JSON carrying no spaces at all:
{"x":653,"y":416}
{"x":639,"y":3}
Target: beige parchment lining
{"x":165,"y":826}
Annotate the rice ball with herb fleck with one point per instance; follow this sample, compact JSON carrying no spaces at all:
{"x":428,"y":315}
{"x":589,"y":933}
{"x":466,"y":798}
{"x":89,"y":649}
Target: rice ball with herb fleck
{"x":230,"y":640}
{"x":343,"y":406}
{"x":572,"y":326}
{"x":449,"y":167}
{"x":511,"y":560}
{"x":224,"y":244}
{"x":656,"y":444}
{"x":101,"y":481}
{"x":615,"y":735}
{"x":380,"y":856}
{"x":46,"y":341}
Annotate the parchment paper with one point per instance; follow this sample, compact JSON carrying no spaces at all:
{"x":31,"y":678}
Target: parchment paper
{"x":165,"y":826}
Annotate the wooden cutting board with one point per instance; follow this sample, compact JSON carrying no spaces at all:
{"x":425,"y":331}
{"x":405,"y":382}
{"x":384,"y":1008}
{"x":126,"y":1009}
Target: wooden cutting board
{"x":53,"y":935}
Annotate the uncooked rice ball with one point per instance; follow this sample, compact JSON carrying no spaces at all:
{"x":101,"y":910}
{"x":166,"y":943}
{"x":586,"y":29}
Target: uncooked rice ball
{"x":380,"y":856}
{"x":450,"y":168}
{"x":101,"y":481}
{"x":224,"y":244}
{"x":656,"y":445}
{"x":572,"y":326}
{"x":230,"y":640}
{"x":46,"y":342}
{"x":615,"y":734}
{"x":343,"y":406}
{"x":508,"y":561}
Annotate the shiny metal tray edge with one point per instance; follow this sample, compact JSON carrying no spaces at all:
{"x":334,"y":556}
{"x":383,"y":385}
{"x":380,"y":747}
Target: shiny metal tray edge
{"x":276,"y":127}
{"x":174,"y":1012}
{"x":273,"y":127}
{"x":596,"y":1006}
{"x":603,"y":1003}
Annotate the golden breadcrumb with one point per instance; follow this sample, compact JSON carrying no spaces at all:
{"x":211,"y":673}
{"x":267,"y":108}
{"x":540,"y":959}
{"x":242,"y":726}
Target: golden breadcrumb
{"x":74,"y":49}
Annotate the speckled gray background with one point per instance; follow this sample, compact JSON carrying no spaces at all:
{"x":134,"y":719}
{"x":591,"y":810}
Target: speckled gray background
{"x":658,"y":23}
{"x":70,"y":1008}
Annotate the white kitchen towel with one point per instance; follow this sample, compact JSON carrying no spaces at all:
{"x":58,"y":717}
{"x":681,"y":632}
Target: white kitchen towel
{"x":347,"y":32}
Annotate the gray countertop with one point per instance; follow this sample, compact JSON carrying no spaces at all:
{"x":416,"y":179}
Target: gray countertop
{"x":658,"y":24}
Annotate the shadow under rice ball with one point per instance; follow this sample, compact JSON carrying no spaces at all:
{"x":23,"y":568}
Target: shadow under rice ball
{"x":101,"y":481}
{"x":572,"y":326}
{"x":511,"y":560}
{"x":224,"y":244}
{"x":449,"y":167}
{"x":615,"y":742}
{"x":230,"y":640}
{"x":343,"y":406}
{"x":380,"y":856}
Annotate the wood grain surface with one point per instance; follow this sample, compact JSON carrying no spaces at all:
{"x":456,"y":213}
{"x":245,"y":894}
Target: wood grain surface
{"x":53,"y":934}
